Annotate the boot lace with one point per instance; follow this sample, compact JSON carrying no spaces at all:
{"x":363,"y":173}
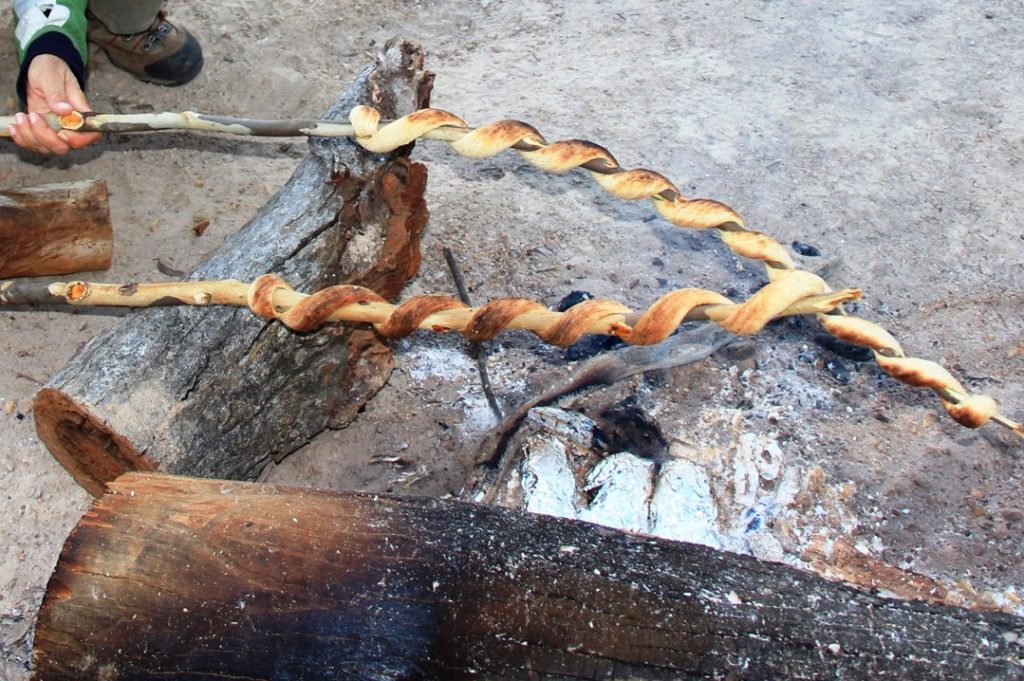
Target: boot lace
{"x":153,"y":36}
{"x":156,"y":35}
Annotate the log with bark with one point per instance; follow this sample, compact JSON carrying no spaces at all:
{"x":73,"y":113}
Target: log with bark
{"x":171,"y":577}
{"x":55,"y":229}
{"x":219,"y":392}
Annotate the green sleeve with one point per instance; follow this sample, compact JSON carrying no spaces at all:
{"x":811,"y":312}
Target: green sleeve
{"x":36,"y":18}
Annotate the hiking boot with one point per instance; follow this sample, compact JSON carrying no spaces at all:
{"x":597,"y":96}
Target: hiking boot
{"x":163,"y":54}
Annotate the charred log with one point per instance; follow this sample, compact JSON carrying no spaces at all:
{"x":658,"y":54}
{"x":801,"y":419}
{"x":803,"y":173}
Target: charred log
{"x":186,"y":578}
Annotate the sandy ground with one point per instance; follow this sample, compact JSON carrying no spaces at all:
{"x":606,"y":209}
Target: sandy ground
{"x":889,"y":135}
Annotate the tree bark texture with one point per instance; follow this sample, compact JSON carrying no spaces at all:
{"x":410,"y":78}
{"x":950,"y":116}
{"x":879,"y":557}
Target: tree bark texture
{"x":171,"y":577}
{"x":55,"y":229}
{"x":218,"y":392}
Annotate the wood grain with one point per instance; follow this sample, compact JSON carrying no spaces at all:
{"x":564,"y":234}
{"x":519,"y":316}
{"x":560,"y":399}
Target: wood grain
{"x":55,"y":229}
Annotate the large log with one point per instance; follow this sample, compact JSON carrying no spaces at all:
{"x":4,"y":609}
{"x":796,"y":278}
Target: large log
{"x":218,"y":392}
{"x":170,"y":577}
{"x":55,"y":229}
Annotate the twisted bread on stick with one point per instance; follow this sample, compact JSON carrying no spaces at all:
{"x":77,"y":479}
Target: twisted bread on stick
{"x":787,"y":287}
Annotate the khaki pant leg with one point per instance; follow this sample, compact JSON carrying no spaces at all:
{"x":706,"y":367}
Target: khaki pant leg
{"x":126,"y":16}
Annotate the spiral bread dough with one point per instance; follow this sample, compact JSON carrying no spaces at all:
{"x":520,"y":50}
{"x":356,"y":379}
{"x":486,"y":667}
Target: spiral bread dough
{"x":788,"y":291}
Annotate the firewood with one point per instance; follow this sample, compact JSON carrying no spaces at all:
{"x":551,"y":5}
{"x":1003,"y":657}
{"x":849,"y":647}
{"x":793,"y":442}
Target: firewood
{"x":55,"y":229}
{"x":170,"y":577}
{"x":221,"y":392}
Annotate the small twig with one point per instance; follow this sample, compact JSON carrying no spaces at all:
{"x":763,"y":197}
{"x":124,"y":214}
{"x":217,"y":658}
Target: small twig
{"x":26,"y":377}
{"x":460,"y":283}
{"x":477,"y":351}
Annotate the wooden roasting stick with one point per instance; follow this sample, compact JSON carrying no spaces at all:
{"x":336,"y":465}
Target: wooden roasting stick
{"x":55,"y":229}
{"x":271,"y":297}
{"x":171,"y":577}
{"x":787,"y":284}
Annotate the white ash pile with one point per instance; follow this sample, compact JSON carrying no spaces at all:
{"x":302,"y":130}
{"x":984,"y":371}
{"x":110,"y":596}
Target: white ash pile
{"x":746,"y":498}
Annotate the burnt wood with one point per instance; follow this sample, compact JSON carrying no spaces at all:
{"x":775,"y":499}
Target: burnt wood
{"x":219,"y":392}
{"x":170,"y":577}
{"x":55,"y":229}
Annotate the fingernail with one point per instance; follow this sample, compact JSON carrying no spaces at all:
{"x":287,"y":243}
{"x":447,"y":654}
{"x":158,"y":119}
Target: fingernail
{"x":12,"y":130}
{"x":64,"y":105}
{"x":19,"y":118}
{"x":33,"y":117}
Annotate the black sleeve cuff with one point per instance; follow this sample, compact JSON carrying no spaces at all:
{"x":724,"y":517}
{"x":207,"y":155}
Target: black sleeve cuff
{"x":57,"y":44}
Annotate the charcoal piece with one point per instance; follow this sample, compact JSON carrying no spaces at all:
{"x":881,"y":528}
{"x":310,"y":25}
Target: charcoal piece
{"x":573,"y":298}
{"x":806,"y":249}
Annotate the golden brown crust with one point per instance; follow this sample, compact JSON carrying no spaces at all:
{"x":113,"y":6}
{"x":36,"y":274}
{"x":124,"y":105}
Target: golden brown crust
{"x":398,"y":133}
{"x":973,"y":412}
{"x":496,"y":315}
{"x":71,"y":121}
{"x":662,"y":318}
{"x":559,"y":157}
{"x":571,"y":326}
{"x":771,"y":300}
{"x":261,"y":295}
{"x":757,"y":246}
{"x":860,"y":332}
{"x":314,"y":311}
{"x":920,"y":373}
{"x":408,"y":316}
{"x":634,"y":184}
{"x":495,"y":138}
{"x":697,"y":213}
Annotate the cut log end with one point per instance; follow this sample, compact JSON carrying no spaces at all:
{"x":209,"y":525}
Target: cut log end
{"x":55,"y":229}
{"x":83,"y":443}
